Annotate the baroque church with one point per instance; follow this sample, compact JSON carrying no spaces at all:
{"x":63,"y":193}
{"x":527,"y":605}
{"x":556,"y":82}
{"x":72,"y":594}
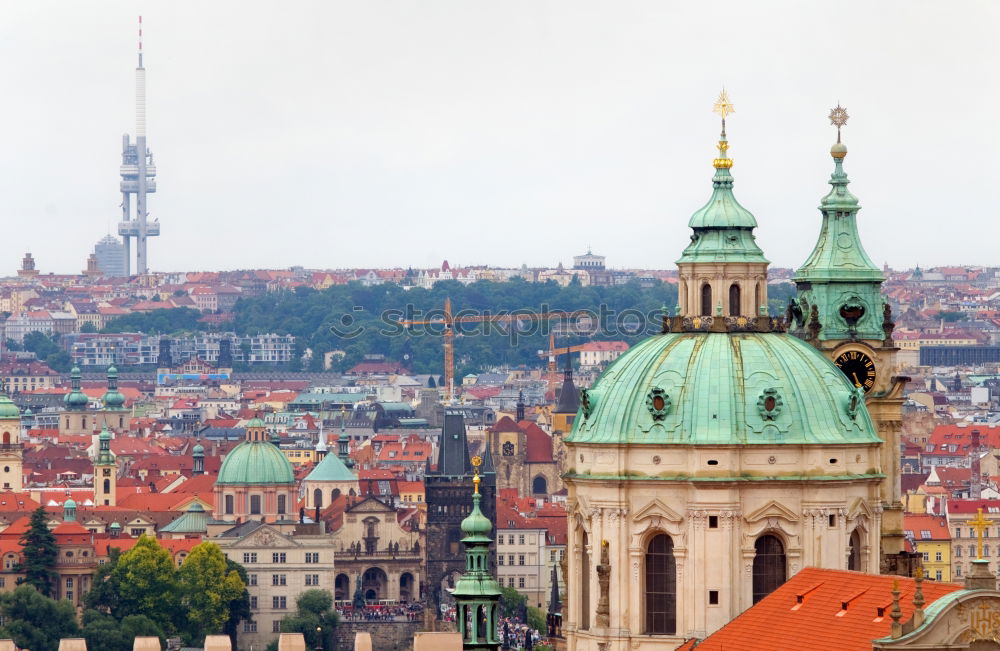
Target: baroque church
{"x":717,"y":459}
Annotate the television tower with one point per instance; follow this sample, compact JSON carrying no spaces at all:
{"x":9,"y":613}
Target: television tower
{"x":139,"y":178}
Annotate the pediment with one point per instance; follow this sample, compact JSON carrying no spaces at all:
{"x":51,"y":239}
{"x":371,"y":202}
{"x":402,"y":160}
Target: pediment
{"x":657,"y":509}
{"x":370,"y":505}
{"x":772,"y":509}
{"x":860,"y":508}
{"x":265,"y":537}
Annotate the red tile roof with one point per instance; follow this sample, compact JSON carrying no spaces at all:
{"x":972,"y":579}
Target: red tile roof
{"x":807,"y":613}
{"x":936,"y":525}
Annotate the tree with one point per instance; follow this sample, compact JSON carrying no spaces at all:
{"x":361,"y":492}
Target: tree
{"x":208,"y":587}
{"x":512,"y":603}
{"x":314,"y":618}
{"x":103,"y":595}
{"x":40,"y":554}
{"x":108,"y":634}
{"x":34,"y":621}
{"x":88,"y":327}
{"x":147,"y":584}
{"x":239,"y":608}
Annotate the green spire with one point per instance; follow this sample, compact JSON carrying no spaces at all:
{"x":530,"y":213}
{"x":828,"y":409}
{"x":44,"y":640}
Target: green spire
{"x":76,"y":399}
{"x":723,"y":229}
{"x":838,"y":278}
{"x":113,"y":398}
{"x":104,"y":455}
{"x":477,"y":593}
{"x":343,"y":442}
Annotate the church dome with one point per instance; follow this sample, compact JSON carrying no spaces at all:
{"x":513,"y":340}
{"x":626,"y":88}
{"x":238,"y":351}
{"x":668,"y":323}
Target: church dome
{"x":256,"y":462}
{"x":722,"y":389}
{"x":8,"y":409}
{"x":113,"y":398}
{"x":75,"y":399}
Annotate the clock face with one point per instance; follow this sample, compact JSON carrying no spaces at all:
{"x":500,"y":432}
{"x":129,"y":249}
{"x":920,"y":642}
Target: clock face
{"x":858,"y":367}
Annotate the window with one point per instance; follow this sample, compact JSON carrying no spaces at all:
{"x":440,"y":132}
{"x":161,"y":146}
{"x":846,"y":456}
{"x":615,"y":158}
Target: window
{"x":734,"y":300}
{"x":510,"y":539}
{"x":510,"y":559}
{"x":937,"y":575}
{"x":713,"y":522}
{"x":281,"y":503}
{"x":253,"y":579}
{"x":249,"y":557}
{"x":278,"y":557}
{"x":958,"y":571}
{"x":312,"y":557}
{"x":854,"y":557}
{"x":499,"y":540}
{"x":958,"y":551}
{"x":229,"y":504}
{"x":278,"y":579}
{"x":661,"y":584}
{"x":279,"y":603}
{"x":706,"y":308}
{"x":713,"y":597}
{"x":832,"y":520}
{"x":520,"y":559}
{"x":769,"y":569}
{"x":972,"y":532}
{"x":520,"y":539}
{"x":253,"y":602}
{"x":937,"y":556}
{"x":137,"y":532}
{"x":972,"y":551}
{"x":927,"y":556}
{"x":312,"y":579}
{"x":958,"y":532}
{"x":249,"y":626}
{"x":510,"y":582}
{"x":520,"y":581}
{"x":925,"y":534}
{"x":986,"y":551}
{"x":276,"y":626}
{"x":552,"y":556}
{"x":255,"y":504}
{"x":499,"y":559}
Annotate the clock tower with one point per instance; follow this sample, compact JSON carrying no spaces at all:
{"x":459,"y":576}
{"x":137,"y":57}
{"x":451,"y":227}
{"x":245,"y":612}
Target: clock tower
{"x":839,"y":309}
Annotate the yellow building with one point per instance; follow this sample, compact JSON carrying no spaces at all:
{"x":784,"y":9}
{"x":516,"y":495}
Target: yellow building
{"x":930,"y":536}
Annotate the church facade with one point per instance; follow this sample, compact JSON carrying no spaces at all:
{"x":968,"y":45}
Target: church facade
{"x":713,"y":461}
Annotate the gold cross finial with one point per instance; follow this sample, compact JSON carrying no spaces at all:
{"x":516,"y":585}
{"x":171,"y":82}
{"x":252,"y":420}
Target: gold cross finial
{"x":723,"y":106}
{"x":979,"y":523}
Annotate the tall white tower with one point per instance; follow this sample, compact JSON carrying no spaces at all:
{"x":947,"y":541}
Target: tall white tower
{"x":138,"y":178}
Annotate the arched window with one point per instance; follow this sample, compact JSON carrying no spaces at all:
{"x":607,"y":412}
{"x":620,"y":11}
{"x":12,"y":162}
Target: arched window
{"x":255,"y":504}
{"x":229,"y":504}
{"x":107,"y":486}
{"x":318,"y":498}
{"x":854,"y":558}
{"x":756,"y":298}
{"x":768,"y":566}
{"x":281,"y":503}
{"x":706,"y":300}
{"x":734,"y":300}
{"x":539,"y":486}
{"x":6,"y":438}
{"x":661,"y":586}
{"x":334,"y":494}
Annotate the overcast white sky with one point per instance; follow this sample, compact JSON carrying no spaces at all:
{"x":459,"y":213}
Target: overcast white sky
{"x":352,"y":134}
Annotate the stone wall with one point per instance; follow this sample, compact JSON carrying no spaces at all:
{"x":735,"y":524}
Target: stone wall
{"x":386,"y":636}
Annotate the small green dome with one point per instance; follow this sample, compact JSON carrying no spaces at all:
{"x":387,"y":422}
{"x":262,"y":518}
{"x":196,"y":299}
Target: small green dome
{"x":105,"y":435}
{"x":115,"y":525}
{"x":69,"y":504}
{"x":198,"y":450}
{"x":722,"y":389}
{"x":476,"y":524}
{"x":8,"y":410}
{"x":255,"y":462}
{"x":76,"y":399}
{"x":255,"y":422}
{"x":113,"y":398}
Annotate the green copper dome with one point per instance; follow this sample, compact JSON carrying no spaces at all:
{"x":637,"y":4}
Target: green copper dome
{"x":476,"y":525}
{"x":113,"y":398}
{"x":723,"y":229}
{"x":255,"y":462}
{"x":255,"y":422}
{"x":8,"y":410}
{"x":722,"y":389}
{"x":76,"y":399}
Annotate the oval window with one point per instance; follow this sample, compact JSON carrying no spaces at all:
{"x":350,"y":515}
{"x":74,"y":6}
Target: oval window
{"x":658,"y":403}
{"x":769,"y":403}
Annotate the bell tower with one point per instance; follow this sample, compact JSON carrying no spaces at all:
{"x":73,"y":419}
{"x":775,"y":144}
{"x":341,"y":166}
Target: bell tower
{"x":105,"y":471}
{"x":722,"y":272}
{"x":839,"y":309}
{"x":11,"y":448}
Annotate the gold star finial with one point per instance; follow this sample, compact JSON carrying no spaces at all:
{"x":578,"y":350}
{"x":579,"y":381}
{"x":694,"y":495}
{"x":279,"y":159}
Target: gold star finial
{"x":476,"y":462}
{"x":838,"y":118}
{"x":723,"y":106}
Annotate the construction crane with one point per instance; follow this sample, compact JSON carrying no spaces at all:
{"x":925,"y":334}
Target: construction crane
{"x":554,"y":352}
{"x":449,"y":321}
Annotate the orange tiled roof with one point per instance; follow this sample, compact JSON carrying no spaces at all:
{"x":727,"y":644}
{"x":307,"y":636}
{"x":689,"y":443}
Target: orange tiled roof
{"x":806,"y":613}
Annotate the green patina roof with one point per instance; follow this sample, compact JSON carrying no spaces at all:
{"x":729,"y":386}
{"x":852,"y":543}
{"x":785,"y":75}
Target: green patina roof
{"x":194,"y":520}
{"x":838,"y":254}
{"x":714,"y":388}
{"x":331,"y":468}
{"x":75,"y":399}
{"x":8,"y":410}
{"x":476,"y":526}
{"x":723,"y":229}
{"x":255,"y":462}
{"x":255,"y":422}
{"x":113,"y":398}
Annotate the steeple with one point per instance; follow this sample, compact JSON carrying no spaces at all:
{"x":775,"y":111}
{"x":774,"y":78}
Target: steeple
{"x":198,"y":459}
{"x":838,"y":278}
{"x":722,"y":266}
{"x":105,"y":471}
{"x":344,"y":442}
{"x":76,"y":399}
{"x":321,"y":448}
{"x":477,"y":593}
{"x":113,"y":398}
{"x":569,"y":398}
